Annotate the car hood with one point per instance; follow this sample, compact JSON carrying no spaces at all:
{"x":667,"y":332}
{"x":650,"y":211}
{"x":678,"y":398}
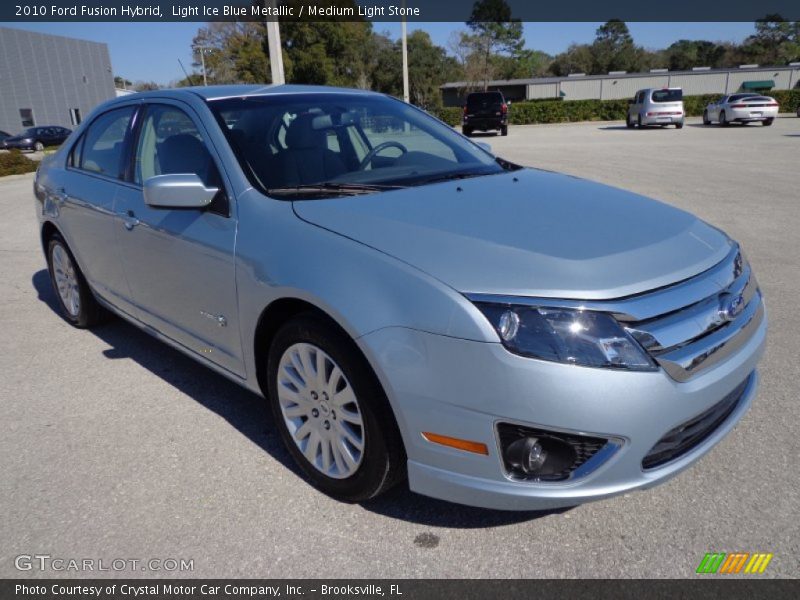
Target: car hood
{"x":529,"y":233}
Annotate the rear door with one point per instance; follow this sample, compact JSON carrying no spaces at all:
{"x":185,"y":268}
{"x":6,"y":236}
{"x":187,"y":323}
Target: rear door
{"x":180,"y":262}
{"x":484,"y":105}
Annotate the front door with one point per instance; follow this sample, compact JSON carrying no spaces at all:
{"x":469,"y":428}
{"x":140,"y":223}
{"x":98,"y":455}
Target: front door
{"x":180,"y":262}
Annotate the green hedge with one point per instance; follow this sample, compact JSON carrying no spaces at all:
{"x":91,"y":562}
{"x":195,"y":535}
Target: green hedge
{"x":557,"y":111}
{"x":13,"y":163}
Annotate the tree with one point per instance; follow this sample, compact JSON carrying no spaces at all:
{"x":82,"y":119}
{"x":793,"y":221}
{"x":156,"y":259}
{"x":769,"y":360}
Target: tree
{"x":775,"y":41}
{"x":614,"y":50}
{"x":579,"y":58}
{"x":145,"y":86}
{"x":121,"y":82}
{"x":234,"y":52}
{"x":493,"y":32}
{"x":685,"y":54}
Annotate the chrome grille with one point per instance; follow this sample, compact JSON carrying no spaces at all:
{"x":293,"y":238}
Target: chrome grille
{"x":700,"y":332}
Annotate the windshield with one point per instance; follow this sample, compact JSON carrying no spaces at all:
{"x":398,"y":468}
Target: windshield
{"x":667,"y":95}
{"x":343,"y":143}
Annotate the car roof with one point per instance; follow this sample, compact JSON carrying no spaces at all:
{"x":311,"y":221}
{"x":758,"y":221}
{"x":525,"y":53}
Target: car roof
{"x":217,"y":92}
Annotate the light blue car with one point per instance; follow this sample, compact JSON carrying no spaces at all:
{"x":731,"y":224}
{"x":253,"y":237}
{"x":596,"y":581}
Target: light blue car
{"x":410,"y":305}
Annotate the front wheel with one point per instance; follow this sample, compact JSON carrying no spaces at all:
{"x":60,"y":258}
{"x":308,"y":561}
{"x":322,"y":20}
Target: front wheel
{"x":639,"y":121}
{"x":706,"y":120}
{"x":77,"y":302}
{"x":331,"y":411}
{"x":38,"y":146}
{"x":628,"y":123}
{"x":723,"y":119}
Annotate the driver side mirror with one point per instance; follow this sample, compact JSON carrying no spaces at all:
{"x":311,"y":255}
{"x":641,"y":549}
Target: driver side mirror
{"x":178,"y":191}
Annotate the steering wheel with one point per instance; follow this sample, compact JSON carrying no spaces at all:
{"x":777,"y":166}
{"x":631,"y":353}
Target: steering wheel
{"x":380,"y":148}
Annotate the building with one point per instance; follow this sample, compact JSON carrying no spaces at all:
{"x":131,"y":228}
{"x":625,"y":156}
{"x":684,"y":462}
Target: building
{"x":619,"y":85}
{"x":50,"y":80}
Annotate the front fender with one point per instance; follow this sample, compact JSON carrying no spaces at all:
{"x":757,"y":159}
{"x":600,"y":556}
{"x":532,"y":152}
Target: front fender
{"x":364,"y":290}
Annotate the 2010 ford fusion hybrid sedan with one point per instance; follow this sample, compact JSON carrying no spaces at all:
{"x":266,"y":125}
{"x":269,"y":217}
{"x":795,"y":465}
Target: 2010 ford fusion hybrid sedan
{"x":408,"y":304}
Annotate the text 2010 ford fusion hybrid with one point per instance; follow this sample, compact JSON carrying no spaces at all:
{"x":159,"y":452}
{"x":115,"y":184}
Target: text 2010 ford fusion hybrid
{"x":410,"y":305}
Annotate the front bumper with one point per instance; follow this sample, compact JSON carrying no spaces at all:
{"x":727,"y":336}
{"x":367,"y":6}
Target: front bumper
{"x":462,"y":389}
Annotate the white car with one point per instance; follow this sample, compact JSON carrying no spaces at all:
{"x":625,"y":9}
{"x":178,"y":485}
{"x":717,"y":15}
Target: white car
{"x":741,"y":108}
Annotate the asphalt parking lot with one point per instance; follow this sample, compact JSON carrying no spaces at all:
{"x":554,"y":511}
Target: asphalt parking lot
{"x":116,"y":446}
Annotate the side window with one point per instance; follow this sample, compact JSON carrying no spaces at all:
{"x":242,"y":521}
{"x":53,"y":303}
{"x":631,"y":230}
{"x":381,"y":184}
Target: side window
{"x":169,"y":144}
{"x":101,"y":147}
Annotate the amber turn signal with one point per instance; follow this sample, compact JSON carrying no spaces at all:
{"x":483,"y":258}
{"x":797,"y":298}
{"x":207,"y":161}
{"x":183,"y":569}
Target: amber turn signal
{"x":459,"y":444}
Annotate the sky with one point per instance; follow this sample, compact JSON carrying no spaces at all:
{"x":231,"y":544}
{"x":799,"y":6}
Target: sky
{"x":150,"y":51}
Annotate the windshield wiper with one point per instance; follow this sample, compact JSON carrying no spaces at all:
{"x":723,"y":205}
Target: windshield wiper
{"x":328,"y":187}
{"x":451,"y":177}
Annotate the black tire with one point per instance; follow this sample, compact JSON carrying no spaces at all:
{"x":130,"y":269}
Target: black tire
{"x":767,"y":122}
{"x":679,"y":125}
{"x":723,"y":119}
{"x":89,"y":312}
{"x":467,"y":131}
{"x":504,"y":130}
{"x":639,"y":121}
{"x":38,"y":146}
{"x":706,"y":120}
{"x":383,"y":462}
{"x":628,"y":123}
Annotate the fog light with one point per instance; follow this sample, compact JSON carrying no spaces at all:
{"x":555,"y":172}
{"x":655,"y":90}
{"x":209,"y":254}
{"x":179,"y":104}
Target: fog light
{"x":527,"y":455}
{"x":540,"y":457}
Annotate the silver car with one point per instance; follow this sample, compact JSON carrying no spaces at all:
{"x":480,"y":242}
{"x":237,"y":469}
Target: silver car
{"x":410,"y":305}
{"x":741,"y":108}
{"x":656,"y":106}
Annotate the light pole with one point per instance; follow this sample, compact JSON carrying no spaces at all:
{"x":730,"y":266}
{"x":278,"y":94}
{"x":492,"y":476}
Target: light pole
{"x":202,"y":51}
{"x":274,"y":45}
{"x":404,"y":43}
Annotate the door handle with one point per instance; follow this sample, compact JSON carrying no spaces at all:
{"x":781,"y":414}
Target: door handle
{"x":129,"y":220}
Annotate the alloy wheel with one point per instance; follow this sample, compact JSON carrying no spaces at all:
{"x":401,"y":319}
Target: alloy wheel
{"x":320,"y":410}
{"x":66,"y":280}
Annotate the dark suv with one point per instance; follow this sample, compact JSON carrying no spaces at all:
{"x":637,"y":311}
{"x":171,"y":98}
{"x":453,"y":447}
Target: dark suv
{"x":485,"y":111}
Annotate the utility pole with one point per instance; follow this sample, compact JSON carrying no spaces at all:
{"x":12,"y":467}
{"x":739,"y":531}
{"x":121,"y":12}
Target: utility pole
{"x":202,"y":51}
{"x":274,"y":46}
{"x":406,"y":96}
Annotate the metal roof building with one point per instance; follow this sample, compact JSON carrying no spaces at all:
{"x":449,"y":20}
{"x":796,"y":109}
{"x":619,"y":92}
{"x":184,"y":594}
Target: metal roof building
{"x":49,"y":79}
{"x":620,"y":85}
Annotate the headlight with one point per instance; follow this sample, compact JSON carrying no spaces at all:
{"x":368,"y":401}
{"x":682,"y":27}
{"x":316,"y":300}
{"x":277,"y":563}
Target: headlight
{"x":577,"y":337}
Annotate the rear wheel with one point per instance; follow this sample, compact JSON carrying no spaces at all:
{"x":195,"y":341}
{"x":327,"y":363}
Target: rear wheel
{"x":77,"y":302}
{"x":706,"y":120}
{"x":767,"y":122}
{"x":467,"y":131}
{"x":679,"y":125}
{"x":504,"y":130}
{"x":723,"y":119}
{"x":331,"y":411}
